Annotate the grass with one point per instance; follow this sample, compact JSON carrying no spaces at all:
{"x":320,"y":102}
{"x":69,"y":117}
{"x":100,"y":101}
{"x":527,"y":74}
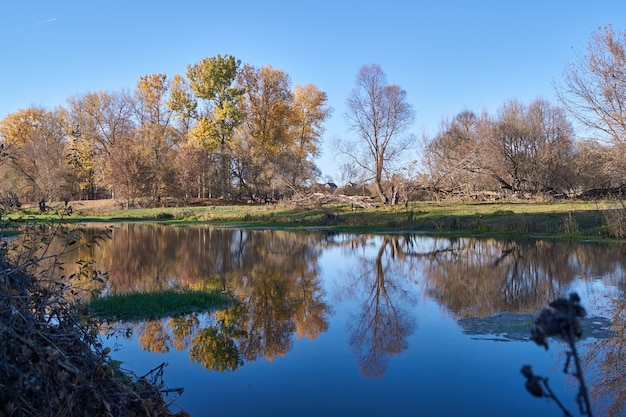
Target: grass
{"x":142,"y":306}
{"x":567,"y":219}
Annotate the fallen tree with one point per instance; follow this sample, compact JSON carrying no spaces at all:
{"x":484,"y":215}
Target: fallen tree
{"x":319,"y":199}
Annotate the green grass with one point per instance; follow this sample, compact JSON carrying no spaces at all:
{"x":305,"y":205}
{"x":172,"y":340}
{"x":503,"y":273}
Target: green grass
{"x":141,"y":306}
{"x":567,"y":219}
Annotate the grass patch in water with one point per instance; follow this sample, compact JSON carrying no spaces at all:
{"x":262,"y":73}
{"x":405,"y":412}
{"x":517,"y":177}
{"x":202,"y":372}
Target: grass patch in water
{"x":140,"y":306}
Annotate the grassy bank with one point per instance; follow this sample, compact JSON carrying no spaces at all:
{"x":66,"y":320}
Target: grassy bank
{"x":569,"y":219}
{"x":142,"y":306}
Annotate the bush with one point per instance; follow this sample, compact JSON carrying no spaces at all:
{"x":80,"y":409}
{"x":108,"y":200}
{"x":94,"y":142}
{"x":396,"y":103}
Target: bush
{"x":615,"y":220}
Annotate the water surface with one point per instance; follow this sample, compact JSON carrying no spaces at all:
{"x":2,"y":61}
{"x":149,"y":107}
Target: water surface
{"x":358,"y":325}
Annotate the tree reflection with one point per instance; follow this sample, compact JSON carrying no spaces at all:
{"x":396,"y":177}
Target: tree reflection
{"x":183,"y":329}
{"x":215,"y":350}
{"x":153,"y":336}
{"x":383,"y":325}
{"x":273,"y":275}
{"x":608,"y":386}
{"x":478,"y":278}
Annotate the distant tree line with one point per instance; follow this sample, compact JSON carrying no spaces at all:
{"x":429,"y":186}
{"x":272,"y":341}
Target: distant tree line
{"x":225,"y":130}
{"x":235,"y":131}
{"x":530,"y":149}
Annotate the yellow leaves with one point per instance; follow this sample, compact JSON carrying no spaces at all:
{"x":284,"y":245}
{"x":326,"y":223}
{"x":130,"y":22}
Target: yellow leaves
{"x":181,"y":99}
{"x":151,"y":92}
{"x":21,"y":126}
{"x":204,"y":135}
{"x":310,"y":111}
{"x":211,"y":78}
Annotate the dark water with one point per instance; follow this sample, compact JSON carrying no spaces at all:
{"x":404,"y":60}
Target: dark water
{"x":362,"y":325}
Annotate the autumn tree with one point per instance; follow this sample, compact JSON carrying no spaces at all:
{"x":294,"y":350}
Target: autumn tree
{"x":264,"y":135}
{"x":192,"y":164}
{"x":35,"y":142}
{"x":456,"y":157}
{"x":309,"y":112}
{"x":280,"y":133}
{"x":134,"y":176}
{"x":155,"y":135}
{"x":213,"y":105}
{"x":100,"y":120}
{"x":596,"y":166}
{"x":379,"y":115}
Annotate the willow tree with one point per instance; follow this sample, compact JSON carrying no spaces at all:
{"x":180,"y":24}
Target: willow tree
{"x":213,"y":106}
{"x":379,"y":114}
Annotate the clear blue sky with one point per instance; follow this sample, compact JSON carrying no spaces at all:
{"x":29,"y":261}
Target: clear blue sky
{"x":449,"y":55}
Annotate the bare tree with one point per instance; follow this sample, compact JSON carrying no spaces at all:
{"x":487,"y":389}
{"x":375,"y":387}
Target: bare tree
{"x":594,"y":86}
{"x":379,"y":114}
{"x":456,"y":157}
{"x":533,"y":147}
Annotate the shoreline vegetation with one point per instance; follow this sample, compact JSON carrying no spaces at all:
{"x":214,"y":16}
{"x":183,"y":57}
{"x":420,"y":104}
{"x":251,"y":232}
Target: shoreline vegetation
{"x":567,"y":219}
{"x":52,"y":362}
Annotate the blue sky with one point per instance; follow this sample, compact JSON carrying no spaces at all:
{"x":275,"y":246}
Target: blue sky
{"x":449,"y":55}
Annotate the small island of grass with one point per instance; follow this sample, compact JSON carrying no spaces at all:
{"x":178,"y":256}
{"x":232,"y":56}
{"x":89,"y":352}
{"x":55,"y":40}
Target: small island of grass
{"x":142,"y":306}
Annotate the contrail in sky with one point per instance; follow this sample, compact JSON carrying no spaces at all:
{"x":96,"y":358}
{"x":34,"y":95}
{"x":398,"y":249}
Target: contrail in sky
{"x":44,"y":21}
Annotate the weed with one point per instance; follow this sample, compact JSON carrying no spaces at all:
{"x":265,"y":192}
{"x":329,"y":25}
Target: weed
{"x":615,"y":220}
{"x":561,"y":319}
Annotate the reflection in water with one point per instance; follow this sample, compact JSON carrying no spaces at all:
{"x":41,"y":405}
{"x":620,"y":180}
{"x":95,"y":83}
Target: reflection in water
{"x":272,"y":274}
{"x":384,"y":322}
{"x":478,"y":278}
{"x":608,"y":386}
{"x":276,"y":278}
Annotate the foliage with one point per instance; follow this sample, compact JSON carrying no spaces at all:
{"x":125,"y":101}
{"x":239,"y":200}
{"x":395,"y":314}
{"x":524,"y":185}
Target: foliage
{"x":561,"y":319}
{"x":273,"y":150}
{"x":235,"y":131}
{"x":215,"y":350}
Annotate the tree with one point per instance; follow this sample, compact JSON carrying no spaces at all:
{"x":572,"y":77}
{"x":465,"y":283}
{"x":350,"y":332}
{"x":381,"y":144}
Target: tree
{"x":597,"y":166}
{"x":594,"y":86}
{"x":309,"y":111}
{"x":212,"y":82}
{"x":455,"y":156}
{"x":263,"y":139}
{"x":154,"y":134}
{"x":134,"y":176}
{"x":192,"y":164}
{"x":100,"y":120}
{"x":379,"y":114}
{"x":35,"y":142}
{"x":533,"y":147}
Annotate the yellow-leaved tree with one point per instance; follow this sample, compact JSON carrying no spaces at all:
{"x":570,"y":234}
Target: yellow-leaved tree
{"x":208,"y":105}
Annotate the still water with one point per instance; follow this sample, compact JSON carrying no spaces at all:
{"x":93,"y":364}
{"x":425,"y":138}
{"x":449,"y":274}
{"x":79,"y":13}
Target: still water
{"x":332,"y":324}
